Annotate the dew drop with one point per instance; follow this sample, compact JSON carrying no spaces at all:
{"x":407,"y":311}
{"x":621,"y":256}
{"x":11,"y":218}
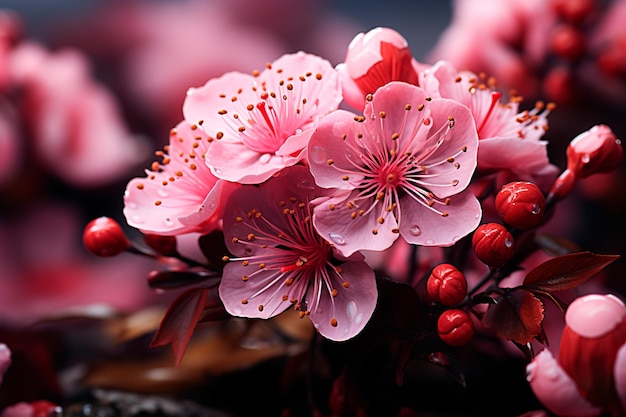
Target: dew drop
{"x":535,"y":209}
{"x":265,"y":158}
{"x":455,"y":238}
{"x":358,"y":318}
{"x":298,"y":131}
{"x":337,"y":238}
{"x":218,"y":171}
{"x":351,"y":310}
{"x":137,"y":219}
{"x":162,"y":192}
{"x":508,"y":243}
{"x":585,"y":158}
{"x":168,"y":222}
{"x":237,"y":311}
{"x":212,"y":206}
{"x":317,"y":154}
{"x":415,"y":230}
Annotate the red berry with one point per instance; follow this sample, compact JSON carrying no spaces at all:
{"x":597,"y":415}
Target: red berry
{"x":447,"y":285}
{"x":493,"y":244}
{"x":573,"y":11}
{"x":164,"y":245}
{"x":104,"y":237}
{"x":455,"y":327}
{"x":521,"y":204}
{"x":595,"y":151}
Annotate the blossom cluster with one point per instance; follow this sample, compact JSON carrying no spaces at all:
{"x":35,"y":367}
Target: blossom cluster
{"x":311,"y":172}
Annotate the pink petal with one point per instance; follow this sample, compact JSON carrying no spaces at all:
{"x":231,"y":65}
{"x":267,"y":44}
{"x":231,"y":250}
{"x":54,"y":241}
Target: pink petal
{"x":349,"y":235}
{"x":422,"y":226}
{"x":183,"y":196}
{"x":352,"y":307}
{"x":555,"y":389}
{"x":620,"y":375}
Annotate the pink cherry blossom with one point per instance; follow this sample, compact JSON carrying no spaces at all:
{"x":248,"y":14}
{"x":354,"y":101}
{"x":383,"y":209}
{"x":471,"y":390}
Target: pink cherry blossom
{"x":403,"y":168}
{"x":280,"y":261}
{"x":180,"y":194}
{"x":510,"y":139}
{"x":77,"y":126}
{"x":262,"y":122}
{"x":373,"y":59}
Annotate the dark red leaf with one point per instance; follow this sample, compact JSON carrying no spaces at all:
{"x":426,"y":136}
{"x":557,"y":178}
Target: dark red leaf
{"x":517,"y":316}
{"x":567,"y":271}
{"x":180,"y":321}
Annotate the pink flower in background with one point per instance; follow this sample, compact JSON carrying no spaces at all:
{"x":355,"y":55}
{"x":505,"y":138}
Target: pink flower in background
{"x":280,"y":261}
{"x":404,"y":168}
{"x":507,"y":39}
{"x":180,"y":194}
{"x":261,"y":123}
{"x":77,"y":128}
{"x":373,"y":59}
{"x":590,"y":373}
{"x":510,"y":139}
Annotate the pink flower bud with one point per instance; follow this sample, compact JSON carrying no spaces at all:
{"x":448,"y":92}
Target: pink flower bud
{"x":104,"y":237}
{"x":447,"y":285}
{"x":521,"y":204}
{"x":493,"y":244}
{"x":455,"y":327}
{"x":594,"y":151}
{"x":594,"y":334}
{"x":5,"y":359}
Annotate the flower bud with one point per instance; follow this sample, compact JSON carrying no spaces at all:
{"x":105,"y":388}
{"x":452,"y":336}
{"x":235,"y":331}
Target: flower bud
{"x":573,"y":11}
{"x":568,"y":42}
{"x":455,"y":327}
{"x":493,"y":244}
{"x":446,"y":285}
{"x":104,"y":237}
{"x":164,"y":245}
{"x":594,"y":333}
{"x":594,"y":151}
{"x":521,"y":204}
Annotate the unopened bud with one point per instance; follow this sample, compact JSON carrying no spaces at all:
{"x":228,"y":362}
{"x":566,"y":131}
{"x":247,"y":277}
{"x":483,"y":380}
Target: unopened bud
{"x":455,"y":327}
{"x":104,"y":237}
{"x":493,"y":244}
{"x":521,"y":204}
{"x":595,"y":151}
{"x":447,"y":285}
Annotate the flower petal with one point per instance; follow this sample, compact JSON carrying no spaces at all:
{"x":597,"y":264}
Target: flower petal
{"x":353,"y":305}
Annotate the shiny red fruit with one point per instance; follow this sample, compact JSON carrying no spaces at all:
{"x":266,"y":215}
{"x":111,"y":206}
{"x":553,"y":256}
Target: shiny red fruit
{"x":493,"y":244}
{"x":521,"y":204}
{"x":455,"y":327}
{"x":104,"y":237}
{"x":446,"y":285}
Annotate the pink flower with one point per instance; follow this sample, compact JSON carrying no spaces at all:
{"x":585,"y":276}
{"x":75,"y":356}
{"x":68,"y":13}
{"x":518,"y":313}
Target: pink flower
{"x":180,"y":194}
{"x":510,"y":139}
{"x":403,"y":169}
{"x":78,"y":129}
{"x":281,"y":261}
{"x":590,"y":374}
{"x":261,"y":123}
{"x":373,"y":59}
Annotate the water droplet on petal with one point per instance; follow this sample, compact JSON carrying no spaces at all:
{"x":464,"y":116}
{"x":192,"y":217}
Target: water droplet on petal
{"x":358,"y":319}
{"x":212,"y":206}
{"x":162,"y":192}
{"x":265,"y":158}
{"x":168,"y":222}
{"x":306,"y":184}
{"x":351,"y":310}
{"x":535,"y":209}
{"x":137,"y":219}
{"x":317,"y":154}
{"x":298,"y":131}
{"x":415,"y":230}
{"x":218,"y":171}
{"x":455,"y":238}
{"x":337,"y":238}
